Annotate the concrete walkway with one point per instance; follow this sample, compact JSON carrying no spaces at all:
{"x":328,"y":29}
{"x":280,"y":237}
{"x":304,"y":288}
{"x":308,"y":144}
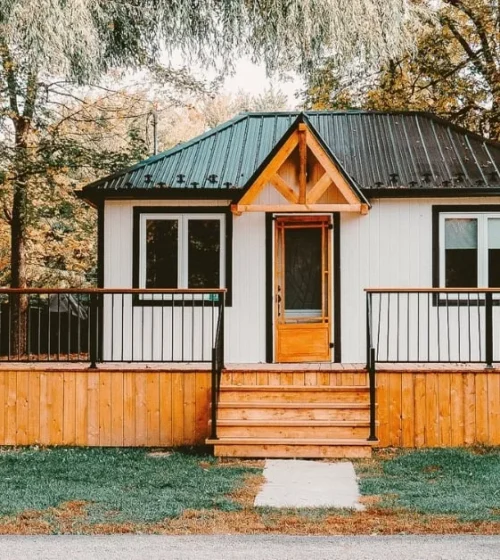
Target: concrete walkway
{"x":258,"y":547}
{"x":294,"y":484}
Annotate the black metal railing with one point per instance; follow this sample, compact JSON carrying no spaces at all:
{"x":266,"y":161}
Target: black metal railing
{"x":433,"y":325}
{"x":217,"y":367}
{"x":109,"y":325}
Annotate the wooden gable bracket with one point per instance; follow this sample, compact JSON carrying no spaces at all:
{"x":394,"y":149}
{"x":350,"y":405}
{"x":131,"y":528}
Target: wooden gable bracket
{"x":301,"y":200}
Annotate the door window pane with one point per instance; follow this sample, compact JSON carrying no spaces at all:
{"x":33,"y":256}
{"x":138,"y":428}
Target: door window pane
{"x":494,"y":252}
{"x":161,"y":253}
{"x":461,"y":252}
{"x":303,"y":269}
{"x":204,"y":253}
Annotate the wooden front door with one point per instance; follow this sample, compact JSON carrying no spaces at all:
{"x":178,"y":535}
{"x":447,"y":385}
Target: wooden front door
{"x":302,"y":289}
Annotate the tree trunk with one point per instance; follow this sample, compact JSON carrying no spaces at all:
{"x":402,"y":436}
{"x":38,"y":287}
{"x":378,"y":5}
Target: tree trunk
{"x":18,"y":303}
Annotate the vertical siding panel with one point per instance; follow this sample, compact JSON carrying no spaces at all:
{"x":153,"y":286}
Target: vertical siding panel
{"x":153,"y":400}
{"x":298,"y":378}
{"x":202,"y":406}
{"x":33,"y":406}
{"x":420,"y":410}
{"x":177,"y":409}
{"x":166,"y":409}
{"x":22,"y":435}
{"x":10,"y":409}
{"x":432,"y":427}
{"x":189,"y":408}
{"x":129,"y":409}
{"x":117,"y":408}
{"x":141,"y":412}
{"x":69,"y":408}
{"x":482,"y":408}
{"x":444,"y":395}
{"x":395,"y":409}
{"x":457,"y":409}
{"x":494,"y":407}
{"x":104,"y":408}
{"x":407,"y":410}
{"x":93,"y":408}
{"x":310,"y":378}
{"x":45,"y":406}
{"x":383,"y":408}
{"x":470,"y":408}
{"x":3,"y":405}
{"x":81,"y":408}
{"x":56,"y":390}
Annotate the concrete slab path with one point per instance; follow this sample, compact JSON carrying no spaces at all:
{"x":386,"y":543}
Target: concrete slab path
{"x":296,"y":483}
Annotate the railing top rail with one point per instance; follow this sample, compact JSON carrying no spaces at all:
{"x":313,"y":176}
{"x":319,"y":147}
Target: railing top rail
{"x":432,"y":290}
{"x":110,"y":291}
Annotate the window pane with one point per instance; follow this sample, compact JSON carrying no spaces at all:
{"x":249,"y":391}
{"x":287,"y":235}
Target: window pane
{"x":461,"y":252}
{"x":494,"y":253}
{"x":161,"y":253}
{"x":204,"y":254}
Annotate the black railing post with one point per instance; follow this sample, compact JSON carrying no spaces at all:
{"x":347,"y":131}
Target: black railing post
{"x":368,"y":328}
{"x":373,"y":395}
{"x":94,"y":334}
{"x":214,"y":391}
{"x":222,"y":311}
{"x":488,"y":310}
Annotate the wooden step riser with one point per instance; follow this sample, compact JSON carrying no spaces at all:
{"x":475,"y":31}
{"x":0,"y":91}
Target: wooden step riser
{"x":230,"y":395}
{"x":277,"y":413}
{"x":294,"y":451}
{"x":313,"y":432}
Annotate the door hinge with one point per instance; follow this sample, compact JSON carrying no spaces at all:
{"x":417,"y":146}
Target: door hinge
{"x":331,"y":344}
{"x":330,"y":226}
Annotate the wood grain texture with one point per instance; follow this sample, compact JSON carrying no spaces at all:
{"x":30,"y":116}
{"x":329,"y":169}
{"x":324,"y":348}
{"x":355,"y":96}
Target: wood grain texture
{"x":104,"y":408}
{"x":438,"y":409}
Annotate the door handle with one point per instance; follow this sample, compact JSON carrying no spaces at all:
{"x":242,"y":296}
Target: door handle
{"x":278,"y":300}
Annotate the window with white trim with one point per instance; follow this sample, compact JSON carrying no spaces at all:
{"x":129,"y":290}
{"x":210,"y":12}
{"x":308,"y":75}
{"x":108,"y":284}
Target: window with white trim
{"x":469,"y":251}
{"x":182,"y":251}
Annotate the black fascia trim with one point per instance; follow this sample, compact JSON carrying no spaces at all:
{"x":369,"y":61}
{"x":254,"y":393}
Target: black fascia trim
{"x":94,"y":196}
{"x":139,"y":210}
{"x":432,"y":192}
{"x":100,"y":245}
{"x":436,"y":211}
{"x":269,"y":289}
{"x":337,"y":296}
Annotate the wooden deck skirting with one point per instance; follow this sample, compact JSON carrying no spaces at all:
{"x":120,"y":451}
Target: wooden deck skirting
{"x":139,"y":405}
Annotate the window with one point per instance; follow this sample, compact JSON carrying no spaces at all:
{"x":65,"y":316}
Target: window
{"x":469,"y":250}
{"x":181,"y":251}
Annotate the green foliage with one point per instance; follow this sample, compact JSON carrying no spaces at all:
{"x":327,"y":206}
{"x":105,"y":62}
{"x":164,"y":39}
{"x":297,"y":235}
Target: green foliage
{"x":119,"y":485}
{"x":460,"y":482}
{"x":454,"y":72}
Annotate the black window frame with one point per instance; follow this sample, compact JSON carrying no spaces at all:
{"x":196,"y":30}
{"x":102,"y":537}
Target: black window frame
{"x":138,"y":211}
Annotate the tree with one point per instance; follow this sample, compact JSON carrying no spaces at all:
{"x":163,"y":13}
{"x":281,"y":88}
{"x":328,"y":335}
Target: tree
{"x":453,"y":72}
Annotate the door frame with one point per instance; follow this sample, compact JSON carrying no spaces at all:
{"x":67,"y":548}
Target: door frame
{"x":335,"y":304}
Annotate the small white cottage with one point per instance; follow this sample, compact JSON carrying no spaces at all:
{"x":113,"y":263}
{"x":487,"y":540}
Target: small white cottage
{"x":335,"y":239}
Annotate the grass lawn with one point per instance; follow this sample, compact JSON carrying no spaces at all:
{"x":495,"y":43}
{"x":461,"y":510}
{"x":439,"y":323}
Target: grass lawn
{"x":113,"y":485}
{"x":129,"y":490}
{"x":461,"y":482}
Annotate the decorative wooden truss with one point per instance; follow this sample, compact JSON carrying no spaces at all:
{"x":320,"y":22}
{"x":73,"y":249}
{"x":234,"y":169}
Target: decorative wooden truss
{"x":300,"y":198}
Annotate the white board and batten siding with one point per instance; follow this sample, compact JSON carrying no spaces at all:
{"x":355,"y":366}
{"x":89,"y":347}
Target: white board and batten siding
{"x":245,"y":319}
{"x":389,"y":247}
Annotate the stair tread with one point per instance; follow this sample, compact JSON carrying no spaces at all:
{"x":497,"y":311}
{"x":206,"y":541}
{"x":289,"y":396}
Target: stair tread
{"x":287,"y":441}
{"x":295,"y":388}
{"x":267,"y":404}
{"x":299,"y":422}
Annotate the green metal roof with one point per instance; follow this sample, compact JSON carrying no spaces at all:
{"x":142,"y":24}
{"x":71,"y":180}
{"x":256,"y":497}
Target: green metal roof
{"x":400,"y":150}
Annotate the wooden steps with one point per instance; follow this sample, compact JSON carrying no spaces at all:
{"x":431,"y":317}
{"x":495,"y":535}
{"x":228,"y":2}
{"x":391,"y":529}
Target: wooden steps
{"x":309,"y":421}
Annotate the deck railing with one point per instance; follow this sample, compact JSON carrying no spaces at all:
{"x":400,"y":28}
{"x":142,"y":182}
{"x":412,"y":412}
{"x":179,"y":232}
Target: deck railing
{"x":433,"y":325}
{"x":110,"y":325}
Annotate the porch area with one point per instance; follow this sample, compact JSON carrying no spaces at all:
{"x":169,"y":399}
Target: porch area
{"x":431,"y":379}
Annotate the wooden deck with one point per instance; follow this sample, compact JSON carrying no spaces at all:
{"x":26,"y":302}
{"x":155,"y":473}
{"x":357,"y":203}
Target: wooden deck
{"x":168,"y":405}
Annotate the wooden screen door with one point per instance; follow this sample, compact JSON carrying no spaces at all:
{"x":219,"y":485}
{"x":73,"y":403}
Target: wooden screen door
{"x":302,"y":288}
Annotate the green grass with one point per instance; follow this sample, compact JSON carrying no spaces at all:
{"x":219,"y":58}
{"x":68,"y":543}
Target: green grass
{"x":121,"y":485}
{"x":460,"y":482}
